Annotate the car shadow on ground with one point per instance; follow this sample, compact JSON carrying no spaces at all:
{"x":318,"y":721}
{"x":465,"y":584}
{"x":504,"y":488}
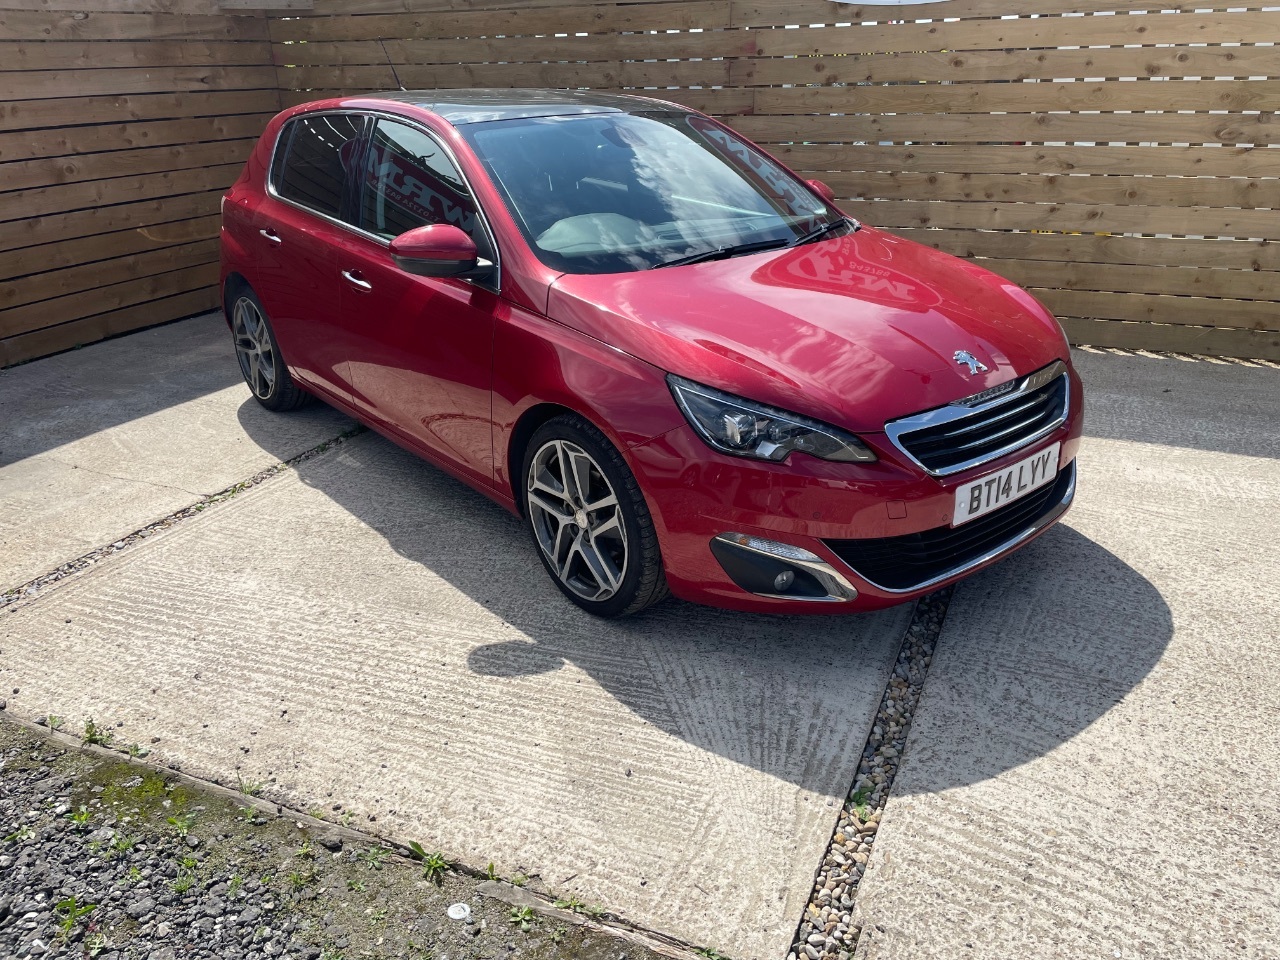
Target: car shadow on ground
{"x":759,"y":690}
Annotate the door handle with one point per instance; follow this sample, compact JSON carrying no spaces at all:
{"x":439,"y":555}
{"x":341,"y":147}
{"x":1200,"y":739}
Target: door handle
{"x":354,"y":278}
{"x":271,"y":235}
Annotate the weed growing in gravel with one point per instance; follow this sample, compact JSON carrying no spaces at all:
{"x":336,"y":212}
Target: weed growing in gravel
{"x":434,"y":866}
{"x":138,"y":750}
{"x":299,"y":879}
{"x":374,"y":857}
{"x":188,"y":863}
{"x":250,"y":788}
{"x":519,"y":880}
{"x":55,"y":722}
{"x":307,"y":850}
{"x":135,"y":875}
{"x":96,"y":943}
{"x":22,"y":833}
{"x":522,"y":917}
{"x":234,"y":885}
{"x":80,"y":817}
{"x":182,"y":824}
{"x":708,"y":954}
{"x":96,"y":735}
{"x":491,"y":873}
{"x":69,"y":912}
{"x":183,"y":883}
{"x":355,"y":886}
{"x":572,"y":904}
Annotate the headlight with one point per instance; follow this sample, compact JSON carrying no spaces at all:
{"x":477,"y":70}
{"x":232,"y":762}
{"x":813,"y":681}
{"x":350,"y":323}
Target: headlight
{"x":744,"y":428}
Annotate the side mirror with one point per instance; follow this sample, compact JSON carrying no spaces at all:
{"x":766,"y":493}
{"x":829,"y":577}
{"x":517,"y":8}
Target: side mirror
{"x":822,"y":190}
{"x":438,"y":250}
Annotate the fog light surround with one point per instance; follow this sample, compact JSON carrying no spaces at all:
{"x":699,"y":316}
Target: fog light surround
{"x":768,"y":568}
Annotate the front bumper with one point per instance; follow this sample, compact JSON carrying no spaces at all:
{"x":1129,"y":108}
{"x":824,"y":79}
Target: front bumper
{"x":830,"y":510}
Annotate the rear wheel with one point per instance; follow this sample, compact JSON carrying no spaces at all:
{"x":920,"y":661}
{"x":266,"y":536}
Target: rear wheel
{"x":259,"y":355}
{"x":589,"y":520}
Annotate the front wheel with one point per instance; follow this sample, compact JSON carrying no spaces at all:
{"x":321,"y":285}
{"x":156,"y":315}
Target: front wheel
{"x":589,"y":520}
{"x":259,"y":355}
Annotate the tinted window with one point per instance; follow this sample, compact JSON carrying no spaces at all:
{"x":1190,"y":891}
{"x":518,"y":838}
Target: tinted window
{"x":318,"y":150}
{"x":609,"y":193}
{"x":409,"y":181}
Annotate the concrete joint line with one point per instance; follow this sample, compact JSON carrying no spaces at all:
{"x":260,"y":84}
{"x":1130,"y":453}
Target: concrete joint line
{"x":26,"y":592}
{"x":831,"y":924}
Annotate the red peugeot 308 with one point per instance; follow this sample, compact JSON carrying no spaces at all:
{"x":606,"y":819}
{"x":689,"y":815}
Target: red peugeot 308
{"x":680,"y":363}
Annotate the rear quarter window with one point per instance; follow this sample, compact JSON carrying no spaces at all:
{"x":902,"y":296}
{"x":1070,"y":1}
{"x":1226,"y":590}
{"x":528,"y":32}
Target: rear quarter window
{"x":314,"y":157}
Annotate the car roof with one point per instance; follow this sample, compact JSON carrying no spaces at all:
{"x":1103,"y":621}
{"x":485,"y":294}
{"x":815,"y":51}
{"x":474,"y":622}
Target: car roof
{"x":480,"y":105}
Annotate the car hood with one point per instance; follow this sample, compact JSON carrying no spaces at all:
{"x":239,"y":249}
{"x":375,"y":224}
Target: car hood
{"x":856,"y":330}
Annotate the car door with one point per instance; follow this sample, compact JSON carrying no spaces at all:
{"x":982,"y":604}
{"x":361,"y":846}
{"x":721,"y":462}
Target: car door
{"x":309,"y":196}
{"x":421,"y":347}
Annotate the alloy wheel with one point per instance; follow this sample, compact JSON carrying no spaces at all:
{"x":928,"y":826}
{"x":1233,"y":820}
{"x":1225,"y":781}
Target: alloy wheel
{"x":254,"y":350}
{"x":577,"y":520}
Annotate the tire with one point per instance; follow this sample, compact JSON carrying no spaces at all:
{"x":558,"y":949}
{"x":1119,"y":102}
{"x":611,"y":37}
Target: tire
{"x":261,"y":364}
{"x":610,"y":565}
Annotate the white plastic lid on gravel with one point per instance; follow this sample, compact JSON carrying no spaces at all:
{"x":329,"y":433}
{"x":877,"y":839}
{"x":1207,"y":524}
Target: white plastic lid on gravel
{"x":459,"y":911}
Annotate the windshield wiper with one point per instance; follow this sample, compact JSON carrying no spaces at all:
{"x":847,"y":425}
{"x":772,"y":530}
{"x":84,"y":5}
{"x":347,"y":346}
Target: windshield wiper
{"x":722,"y":253}
{"x":822,"y":231}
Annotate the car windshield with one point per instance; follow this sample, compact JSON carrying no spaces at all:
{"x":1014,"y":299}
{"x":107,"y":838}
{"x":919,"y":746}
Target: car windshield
{"x":619,"y":192}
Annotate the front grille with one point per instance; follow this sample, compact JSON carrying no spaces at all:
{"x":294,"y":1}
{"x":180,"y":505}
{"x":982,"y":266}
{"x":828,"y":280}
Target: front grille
{"x":955,"y":438}
{"x":917,"y":559}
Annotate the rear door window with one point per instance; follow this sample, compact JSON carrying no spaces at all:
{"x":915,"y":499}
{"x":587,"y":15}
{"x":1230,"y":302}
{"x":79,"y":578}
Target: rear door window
{"x":319,"y":150}
{"x":409,"y":181}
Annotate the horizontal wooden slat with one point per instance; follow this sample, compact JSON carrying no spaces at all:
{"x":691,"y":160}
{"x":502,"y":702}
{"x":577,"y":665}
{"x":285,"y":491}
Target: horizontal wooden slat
{"x":68,"y":111}
{"x":28,"y":234}
{"x":43,"y":342}
{"x":40,"y":25}
{"x":1197,"y":311}
{"x":1010,"y":158}
{"x":1038,"y":188}
{"x":1220,"y":342}
{"x":979,"y":98}
{"x":780,"y":12}
{"x":598,"y":47}
{"x":100,"y":193}
{"x":775,"y":11}
{"x":1126,"y":278}
{"x":57,"y":84}
{"x":60,"y":283}
{"x":613,"y":74}
{"x":562,"y":18}
{"x":1068,"y":217}
{"x":1022,"y":33}
{"x":69,"y":253}
{"x":95,"y":55}
{"x":1018,"y":128}
{"x":995,"y":65}
{"x":69,"y":141}
{"x":47,"y":313}
{"x":53,"y":172}
{"x":1250,"y":255}
{"x":203,"y":7}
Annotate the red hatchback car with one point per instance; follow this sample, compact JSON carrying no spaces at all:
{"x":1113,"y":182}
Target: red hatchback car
{"x":678,"y":361}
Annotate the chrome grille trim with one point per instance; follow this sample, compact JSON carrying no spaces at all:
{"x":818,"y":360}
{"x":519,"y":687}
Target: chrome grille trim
{"x":982,"y":417}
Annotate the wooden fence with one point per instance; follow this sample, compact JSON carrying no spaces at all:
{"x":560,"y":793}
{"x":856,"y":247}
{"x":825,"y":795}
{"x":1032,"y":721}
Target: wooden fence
{"x":1121,"y":158}
{"x":119,"y":131}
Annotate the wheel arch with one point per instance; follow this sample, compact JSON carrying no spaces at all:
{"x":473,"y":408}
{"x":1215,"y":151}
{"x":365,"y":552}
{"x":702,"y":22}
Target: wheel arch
{"x":232,"y":285}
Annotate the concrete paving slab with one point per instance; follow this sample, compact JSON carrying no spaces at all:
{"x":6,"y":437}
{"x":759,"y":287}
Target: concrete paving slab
{"x":99,"y":442}
{"x":1094,"y":770}
{"x":366,"y":631}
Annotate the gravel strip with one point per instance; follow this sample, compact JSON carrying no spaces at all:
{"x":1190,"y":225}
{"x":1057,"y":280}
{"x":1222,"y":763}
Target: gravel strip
{"x":106,"y":858}
{"x":830,"y":926}
{"x":32,"y":588}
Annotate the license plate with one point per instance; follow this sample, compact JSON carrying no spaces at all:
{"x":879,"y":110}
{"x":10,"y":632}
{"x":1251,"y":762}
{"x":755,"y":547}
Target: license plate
{"x":993,"y":491}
